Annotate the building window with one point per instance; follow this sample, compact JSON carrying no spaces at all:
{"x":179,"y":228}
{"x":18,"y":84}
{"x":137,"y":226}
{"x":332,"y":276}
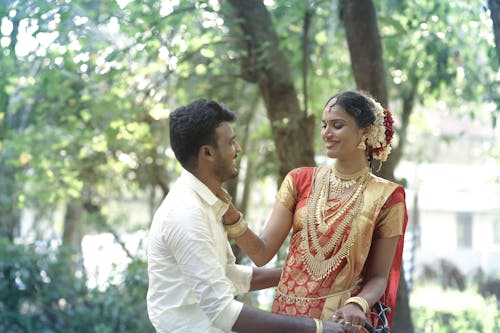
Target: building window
{"x":496,"y":231}
{"x":464,"y":229}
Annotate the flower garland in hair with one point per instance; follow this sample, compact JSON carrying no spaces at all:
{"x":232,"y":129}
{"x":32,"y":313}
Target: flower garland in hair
{"x":379,"y":139}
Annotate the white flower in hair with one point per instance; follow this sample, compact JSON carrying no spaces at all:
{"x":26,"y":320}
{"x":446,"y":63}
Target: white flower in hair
{"x":381,"y":133}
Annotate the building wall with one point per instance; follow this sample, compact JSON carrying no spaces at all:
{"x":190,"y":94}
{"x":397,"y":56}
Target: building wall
{"x":439,"y":240}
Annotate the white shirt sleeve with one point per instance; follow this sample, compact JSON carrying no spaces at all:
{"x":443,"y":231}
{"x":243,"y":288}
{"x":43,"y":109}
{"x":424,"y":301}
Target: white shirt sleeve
{"x":192,"y":243}
{"x":240,"y":275}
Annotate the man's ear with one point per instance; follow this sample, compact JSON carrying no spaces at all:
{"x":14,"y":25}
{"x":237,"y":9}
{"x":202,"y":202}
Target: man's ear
{"x":207,"y":152}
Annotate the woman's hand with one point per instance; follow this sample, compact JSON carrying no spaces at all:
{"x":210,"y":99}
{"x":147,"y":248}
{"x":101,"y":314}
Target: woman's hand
{"x":232,"y":215}
{"x":351,"y":316}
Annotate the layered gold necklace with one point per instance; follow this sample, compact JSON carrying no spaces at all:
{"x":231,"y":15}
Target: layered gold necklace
{"x":346,"y":191}
{"x":341,"y":183}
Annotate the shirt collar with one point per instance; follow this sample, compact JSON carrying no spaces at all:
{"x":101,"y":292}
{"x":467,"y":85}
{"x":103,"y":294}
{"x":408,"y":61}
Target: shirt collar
{"x":203,"y":191}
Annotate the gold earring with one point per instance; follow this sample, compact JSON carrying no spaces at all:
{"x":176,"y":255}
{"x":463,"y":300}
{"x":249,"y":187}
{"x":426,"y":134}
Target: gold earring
{"x":362,"y":144}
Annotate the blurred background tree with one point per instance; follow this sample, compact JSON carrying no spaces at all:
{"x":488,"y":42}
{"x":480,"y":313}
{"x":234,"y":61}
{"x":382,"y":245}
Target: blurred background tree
{"x":86,"y":87}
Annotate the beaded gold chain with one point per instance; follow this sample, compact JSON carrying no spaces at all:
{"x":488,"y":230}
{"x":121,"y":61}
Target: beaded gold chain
{"x":340,"y":183}
{"x":316,"y":264}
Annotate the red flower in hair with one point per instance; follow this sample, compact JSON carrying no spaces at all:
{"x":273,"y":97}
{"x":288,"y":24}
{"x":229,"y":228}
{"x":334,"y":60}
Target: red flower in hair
{"x":389,"y":130}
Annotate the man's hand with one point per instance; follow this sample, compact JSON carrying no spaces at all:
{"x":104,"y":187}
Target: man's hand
{"x":332,"y":327}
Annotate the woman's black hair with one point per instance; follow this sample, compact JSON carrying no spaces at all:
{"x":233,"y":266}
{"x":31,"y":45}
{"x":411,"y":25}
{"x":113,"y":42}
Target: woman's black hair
{"x":360,"y":106}
{"x":357,"y":104}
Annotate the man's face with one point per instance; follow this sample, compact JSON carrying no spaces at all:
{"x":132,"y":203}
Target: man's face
{"x":226,"y":152}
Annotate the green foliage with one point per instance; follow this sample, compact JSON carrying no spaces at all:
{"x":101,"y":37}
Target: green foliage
{"x":39,"y":292}
{"x":442,"y":50}
{"x":471,"y":320}
{"x":86,"y":112}
{"x":443,"y":308}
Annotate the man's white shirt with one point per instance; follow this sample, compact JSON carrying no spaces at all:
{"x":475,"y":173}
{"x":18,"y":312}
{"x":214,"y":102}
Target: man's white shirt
{"x":192,"y":272}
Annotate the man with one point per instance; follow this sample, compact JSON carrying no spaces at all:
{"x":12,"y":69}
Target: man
{"x":192,"y":272}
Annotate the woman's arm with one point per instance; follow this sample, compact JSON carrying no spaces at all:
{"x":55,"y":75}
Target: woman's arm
{"x":262,"y":249}
{"x":377,"y":268}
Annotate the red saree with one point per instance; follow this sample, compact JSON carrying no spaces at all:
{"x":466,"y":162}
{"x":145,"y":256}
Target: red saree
{"x":316,"y":288}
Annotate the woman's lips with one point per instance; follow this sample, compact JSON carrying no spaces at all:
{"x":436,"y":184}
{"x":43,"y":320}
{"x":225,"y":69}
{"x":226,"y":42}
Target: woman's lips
{"x":330,"y":144}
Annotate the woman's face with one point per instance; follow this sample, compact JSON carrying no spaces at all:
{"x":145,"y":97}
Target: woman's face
{"x":340,"y":133}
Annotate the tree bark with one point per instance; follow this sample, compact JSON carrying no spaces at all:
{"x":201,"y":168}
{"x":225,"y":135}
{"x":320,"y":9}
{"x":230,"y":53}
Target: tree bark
{"x":10,"y":213}
{"x":74,"y":218}
{"x":266,"y":65}
{"x":494,"y":6}
{"x":365,"y":49}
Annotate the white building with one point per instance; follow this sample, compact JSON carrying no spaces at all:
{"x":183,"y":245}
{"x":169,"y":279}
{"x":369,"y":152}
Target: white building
{"x":457,"y":217}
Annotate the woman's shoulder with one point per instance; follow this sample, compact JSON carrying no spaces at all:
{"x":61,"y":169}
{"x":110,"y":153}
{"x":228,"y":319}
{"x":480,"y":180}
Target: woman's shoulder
{"x":302,"y":176}
{"x":303,"y":169}
{"x":300,"y":172}
{"x":384,"y":181}
{"x":390,"y":187}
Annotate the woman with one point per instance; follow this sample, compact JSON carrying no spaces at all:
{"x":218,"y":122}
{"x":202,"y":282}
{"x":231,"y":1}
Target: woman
{"x":348,"y":224}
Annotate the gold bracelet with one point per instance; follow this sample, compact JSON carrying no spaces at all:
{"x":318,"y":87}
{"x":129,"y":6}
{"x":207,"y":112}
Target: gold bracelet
{"x":359,"y":301}
{"x":319,"y":325}
{"x":236,"y":229}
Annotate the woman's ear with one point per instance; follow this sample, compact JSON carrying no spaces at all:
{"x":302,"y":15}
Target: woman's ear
{"x":366,"y":130}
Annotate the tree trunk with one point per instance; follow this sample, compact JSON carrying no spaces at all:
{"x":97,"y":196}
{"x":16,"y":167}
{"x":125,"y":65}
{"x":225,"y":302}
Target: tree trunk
{"x":389,"y":166}
{"x":266,"y":65}
{"x":244,"y":141}
{"x":365,"y":49}
{"x":74,"y":218}
{"x":494,"y":6}
{"x":10,"y":212}
{"x":9,"y":209}
{"x":245,"y":198}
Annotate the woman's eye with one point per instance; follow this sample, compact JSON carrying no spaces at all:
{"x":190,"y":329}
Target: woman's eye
{"x":338,"y":125}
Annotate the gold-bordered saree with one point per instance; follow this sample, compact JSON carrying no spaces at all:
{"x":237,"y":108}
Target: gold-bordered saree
{"x":382,"y":215}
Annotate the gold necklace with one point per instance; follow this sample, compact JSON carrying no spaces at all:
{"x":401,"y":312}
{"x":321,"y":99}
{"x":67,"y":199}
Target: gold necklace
{"x":341,"y":183}
{"x":316,"y":264}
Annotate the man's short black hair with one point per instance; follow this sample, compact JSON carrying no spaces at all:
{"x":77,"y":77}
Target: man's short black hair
{"x":193,"y":126}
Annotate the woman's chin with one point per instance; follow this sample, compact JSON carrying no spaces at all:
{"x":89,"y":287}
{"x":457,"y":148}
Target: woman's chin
{"x":331,"y":154}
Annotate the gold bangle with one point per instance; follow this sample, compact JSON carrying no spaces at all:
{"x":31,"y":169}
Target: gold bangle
{"x":359,"y":301}
{"x":319,"y":325}
{"x":237,"y":229}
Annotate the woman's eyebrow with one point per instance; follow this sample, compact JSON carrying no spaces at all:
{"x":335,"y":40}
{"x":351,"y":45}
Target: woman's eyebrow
{"x":333,"y":120}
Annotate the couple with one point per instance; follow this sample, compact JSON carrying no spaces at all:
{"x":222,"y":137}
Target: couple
{"x":347,"y":230}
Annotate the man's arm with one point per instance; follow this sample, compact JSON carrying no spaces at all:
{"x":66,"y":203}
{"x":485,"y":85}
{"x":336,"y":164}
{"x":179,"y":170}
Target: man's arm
{"x":263,"y":278}
{"x":252,"y":320}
